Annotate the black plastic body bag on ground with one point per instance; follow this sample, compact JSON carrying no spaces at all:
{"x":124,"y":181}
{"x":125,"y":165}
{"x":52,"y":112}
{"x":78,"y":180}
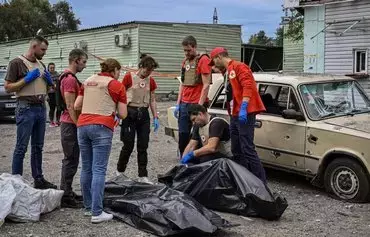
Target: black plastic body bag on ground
{"x":158,"y":209}
{"x":226,"y":186}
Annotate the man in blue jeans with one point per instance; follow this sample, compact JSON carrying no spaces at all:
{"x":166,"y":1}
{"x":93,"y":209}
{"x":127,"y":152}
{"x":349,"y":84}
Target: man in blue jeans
{"x":194,"y":87}
{"x":27,"y":77}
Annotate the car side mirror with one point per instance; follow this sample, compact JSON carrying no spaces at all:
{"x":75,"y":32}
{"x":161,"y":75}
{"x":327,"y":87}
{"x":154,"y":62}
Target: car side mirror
{"x":293,"y":114}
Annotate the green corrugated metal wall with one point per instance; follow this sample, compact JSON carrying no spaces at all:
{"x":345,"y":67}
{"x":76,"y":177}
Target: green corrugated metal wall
{"x":293,"y":56}
{"x":99,"y":42}
{"x":161,"y":40}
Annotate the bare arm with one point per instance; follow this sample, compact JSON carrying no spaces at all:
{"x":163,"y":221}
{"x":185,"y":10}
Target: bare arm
{"x":14,"y":86}
{"x":70,"y":99}
{"x":191,"y":146}
{"x":78,"y":102}
{"x":180,"y":93}
{"x":210,"y":148}
{"x":153,"y":104}
{"x":122,"y":110}
{"x":206,"y":79}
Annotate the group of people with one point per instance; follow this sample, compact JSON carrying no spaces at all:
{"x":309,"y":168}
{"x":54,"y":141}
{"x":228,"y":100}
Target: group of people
{"x":90,"y":111}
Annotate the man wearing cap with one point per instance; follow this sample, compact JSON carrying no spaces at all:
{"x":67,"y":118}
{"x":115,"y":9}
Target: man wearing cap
{"x":246,"y":103}
{"x":194,"y":87}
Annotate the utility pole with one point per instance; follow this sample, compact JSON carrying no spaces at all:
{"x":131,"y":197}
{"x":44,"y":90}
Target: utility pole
{"x":215,"y":17}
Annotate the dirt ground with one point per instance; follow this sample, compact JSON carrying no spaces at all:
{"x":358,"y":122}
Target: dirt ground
{"x":311,"y":211}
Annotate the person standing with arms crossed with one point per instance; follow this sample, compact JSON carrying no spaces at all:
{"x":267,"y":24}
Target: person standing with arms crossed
{"x":27,"y":77}
{"x":52,"y":98}
{"x":140,"y":88}
{"x":194,"y":87}
{"x":101,"y":98}
{"x":69,"y":87}
{"x":247,"y":104}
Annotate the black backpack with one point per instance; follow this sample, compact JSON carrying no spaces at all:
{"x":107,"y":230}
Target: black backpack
{"x":61,"y":104}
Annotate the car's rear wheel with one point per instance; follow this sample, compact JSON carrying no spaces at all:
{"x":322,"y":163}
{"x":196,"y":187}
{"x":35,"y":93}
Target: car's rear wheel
{"x":347,"y":180}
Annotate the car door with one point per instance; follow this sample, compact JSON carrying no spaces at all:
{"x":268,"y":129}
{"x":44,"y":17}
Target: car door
{"x":280,"y":142}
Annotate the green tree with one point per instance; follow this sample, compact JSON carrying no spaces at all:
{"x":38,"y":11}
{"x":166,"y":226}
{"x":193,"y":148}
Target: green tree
{"x":22,"y":18}
{"x":279,"y":36}
{"x":260,"y":38}
{"x":294,"y":30}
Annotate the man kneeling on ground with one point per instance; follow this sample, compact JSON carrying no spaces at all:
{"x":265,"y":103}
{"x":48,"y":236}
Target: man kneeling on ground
{"x":210,"y":133}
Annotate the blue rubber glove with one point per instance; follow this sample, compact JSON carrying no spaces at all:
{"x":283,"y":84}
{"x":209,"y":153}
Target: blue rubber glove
{"x":116,"y":120}
{"x":187,"y":157}
{"x":32,"y":75}
{"x":156,"y":124}
{"x":176,"y":112}
{"x":48,"y":79}
{"x":243,"y":113}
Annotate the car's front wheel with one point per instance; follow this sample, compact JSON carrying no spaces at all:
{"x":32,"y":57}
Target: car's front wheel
{"x":347,"y":180}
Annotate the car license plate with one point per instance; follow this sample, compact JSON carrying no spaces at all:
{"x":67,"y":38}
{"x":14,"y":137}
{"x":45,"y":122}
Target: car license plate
{"x":12,"y":105}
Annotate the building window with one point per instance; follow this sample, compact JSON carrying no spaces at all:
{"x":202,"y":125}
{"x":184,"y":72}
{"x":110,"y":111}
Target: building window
{"x":360,"y":61}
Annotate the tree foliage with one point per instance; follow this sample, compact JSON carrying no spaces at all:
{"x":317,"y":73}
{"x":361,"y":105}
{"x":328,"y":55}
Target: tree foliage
{"x":294,"y":30}
{"x":261,"y":38}
{"x":23,"y":18}
{"x":279,"y":37}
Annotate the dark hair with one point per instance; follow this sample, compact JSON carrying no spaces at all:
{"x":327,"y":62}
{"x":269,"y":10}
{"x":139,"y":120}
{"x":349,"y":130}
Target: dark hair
{"x":195,"y":109}
{"x":51,"y":64}
{"x":189,"y":40}
{"x":148,"y":62}
{"x":76,"y":54}
{"x":109,"y":65}
{"x":39,"y":39}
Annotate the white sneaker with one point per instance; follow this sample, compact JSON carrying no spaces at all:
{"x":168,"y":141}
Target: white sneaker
{"x":144,"y":180}
{"x":101,"y":218}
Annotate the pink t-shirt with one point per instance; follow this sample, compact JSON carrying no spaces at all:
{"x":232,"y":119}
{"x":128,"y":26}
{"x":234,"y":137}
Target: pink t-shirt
{"x":69,"y":84}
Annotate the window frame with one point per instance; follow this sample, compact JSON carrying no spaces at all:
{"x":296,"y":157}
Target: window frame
{"x":355,"y":59}
{"x":290,"y":92}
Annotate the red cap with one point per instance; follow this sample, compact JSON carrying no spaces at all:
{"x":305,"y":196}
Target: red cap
{"x":216,"y":51}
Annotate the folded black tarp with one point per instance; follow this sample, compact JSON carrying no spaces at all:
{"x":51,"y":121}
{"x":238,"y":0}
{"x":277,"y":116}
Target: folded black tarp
{"x":158,"y":209}
{"x":226,"y":186}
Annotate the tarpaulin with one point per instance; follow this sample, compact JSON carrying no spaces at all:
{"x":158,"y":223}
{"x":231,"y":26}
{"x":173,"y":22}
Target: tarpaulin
{"x":226,"y":186}
{"x":158,"y":209}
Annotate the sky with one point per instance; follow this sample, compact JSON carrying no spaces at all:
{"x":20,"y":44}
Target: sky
{"x":253,"y":15}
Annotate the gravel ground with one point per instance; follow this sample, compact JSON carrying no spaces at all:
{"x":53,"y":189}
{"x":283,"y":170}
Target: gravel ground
{"x":310,"y":213}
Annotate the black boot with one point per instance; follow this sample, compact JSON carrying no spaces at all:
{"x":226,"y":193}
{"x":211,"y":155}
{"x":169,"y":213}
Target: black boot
{"x":44,"y":184}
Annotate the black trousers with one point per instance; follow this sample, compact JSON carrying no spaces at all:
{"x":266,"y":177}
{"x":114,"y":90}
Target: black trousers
{"x":136,"y":123}
{"x":71,"y":152}
{"x":53,"y":106}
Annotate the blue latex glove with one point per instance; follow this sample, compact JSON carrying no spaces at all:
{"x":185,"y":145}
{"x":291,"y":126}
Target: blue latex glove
{"x":156,"y":124}
{"x":48,"y":79}
{"x":187,"y":157}
{"x":176,"y":112}
{"x":32,"y":75}
{"x":243,"y":113}
{"x":116,"y":120}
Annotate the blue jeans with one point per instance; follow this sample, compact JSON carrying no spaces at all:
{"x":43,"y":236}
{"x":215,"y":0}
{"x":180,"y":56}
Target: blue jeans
{"x":243,"y":148}
{"x":184,"y":125}
{"x":30,"y":121}
{"x":95,"y":143}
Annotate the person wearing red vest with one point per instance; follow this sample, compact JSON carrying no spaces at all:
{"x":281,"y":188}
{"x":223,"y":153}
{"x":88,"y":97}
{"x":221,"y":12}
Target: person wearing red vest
{"x":194,"y":87}
{"x":101,"y":98}
{"x":246,"y":103}
{"x":140,"y":88}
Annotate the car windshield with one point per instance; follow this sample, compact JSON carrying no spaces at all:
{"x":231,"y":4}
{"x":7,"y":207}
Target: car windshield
{"x":331,"y":99}
{"x":2,"y":77}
